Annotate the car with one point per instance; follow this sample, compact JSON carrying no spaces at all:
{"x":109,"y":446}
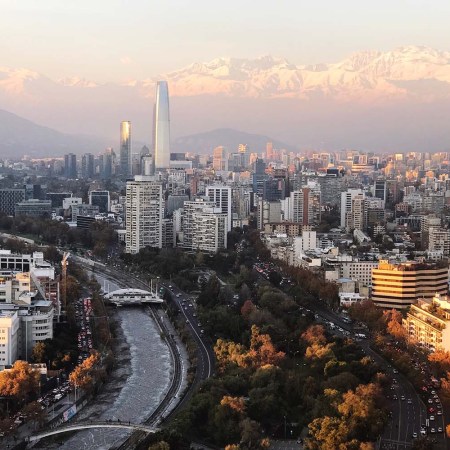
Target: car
{"x":414,"y":435}
{"x":430,"y":400}
{"x":431,"y":417}
{"x":432,"y":430}
{"x":440,"y":430}
{"x":187,"y":321}
{"x":195,"y":315}
{"x":439,"y":413}
{"x":190,"y":304}
{"x":395,"y":371}
{"x":170,"y":286}
{"x":409,"y":401}
{"x":403,"y":397}
{"x":394,"y":397}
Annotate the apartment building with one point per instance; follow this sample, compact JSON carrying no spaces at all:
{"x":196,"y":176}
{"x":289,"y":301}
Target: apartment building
{"x":428,"y":323}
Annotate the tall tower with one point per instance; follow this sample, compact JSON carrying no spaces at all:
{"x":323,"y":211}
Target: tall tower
{"x":161,"y":126}
{"x":125,"y":148}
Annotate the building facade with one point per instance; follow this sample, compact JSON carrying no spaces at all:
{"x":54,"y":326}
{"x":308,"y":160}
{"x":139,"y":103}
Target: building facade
{"x":144,"y":214}
{"x":400,"y":285}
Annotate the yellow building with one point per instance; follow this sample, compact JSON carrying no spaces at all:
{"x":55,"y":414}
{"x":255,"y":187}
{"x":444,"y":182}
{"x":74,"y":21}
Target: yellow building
{"x":400,"y":285}
{"x":428,"y":323}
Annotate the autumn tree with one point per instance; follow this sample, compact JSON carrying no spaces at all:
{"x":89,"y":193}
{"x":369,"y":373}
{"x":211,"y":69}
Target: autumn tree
{"x":393,"y":319}
{"x":84,"y":375}
{"x":19,"y":382}
{"x":441,"y":359}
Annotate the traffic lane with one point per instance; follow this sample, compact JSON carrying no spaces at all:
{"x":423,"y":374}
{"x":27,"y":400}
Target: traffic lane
{"x":205,"y":352}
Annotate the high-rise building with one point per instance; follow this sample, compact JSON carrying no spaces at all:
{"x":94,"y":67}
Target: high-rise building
{"x":87,"y":165}
{"x":70,"y":165}
{"x":161,"y":126}
{"x":188,"y":227}
{"x":9,"y":198}
{"x":144,"y":214}
{"x":400,"y":285}
{"x":221,"y":196}
{"x":209,"y":230}
{"x":380,"y":190}
{"x":125,"y":148}
{"x":220,"y":159}
{"x":269,"y":151}
{"x":244,"y":151}
{"x":347,"y":203}
{"x":303,"y":206}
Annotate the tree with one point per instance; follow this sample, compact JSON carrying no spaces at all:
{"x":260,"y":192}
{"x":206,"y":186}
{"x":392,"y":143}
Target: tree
{"x":394,"y":326}
{"x":34,"y":413}
{"x":19,"y":382}
{"x":315,"y":334}
{"x":39,"y":352}
{"x":161,"y":445}
{"x":235,"y":403}
{"x":83,"y":376}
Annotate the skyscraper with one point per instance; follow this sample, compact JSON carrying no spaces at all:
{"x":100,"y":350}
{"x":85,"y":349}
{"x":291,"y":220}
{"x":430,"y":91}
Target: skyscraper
{"x":70,"y":165}
{"x":125,"y":148}
{"x":161,"y":126}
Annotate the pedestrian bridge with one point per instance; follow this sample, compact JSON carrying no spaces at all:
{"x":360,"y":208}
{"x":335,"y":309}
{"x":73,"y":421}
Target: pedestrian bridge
{"x":123,"y":297}
{"x":85,"y":425}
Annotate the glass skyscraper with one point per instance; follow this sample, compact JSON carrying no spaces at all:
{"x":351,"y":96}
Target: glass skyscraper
{"x":125,"y":148}
{"x":161,"y":126}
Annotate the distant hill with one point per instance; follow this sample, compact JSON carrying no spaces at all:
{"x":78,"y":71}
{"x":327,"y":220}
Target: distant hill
{"x":20,"y":136}
{"x":204,"y":143}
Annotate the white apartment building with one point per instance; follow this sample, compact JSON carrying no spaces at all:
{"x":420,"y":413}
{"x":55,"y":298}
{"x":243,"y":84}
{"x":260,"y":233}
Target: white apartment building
{"x":144,"y":214}
{"x":347,"y":203}
{"x":9,"y":337}
{"x":209,"y":230}
{"x":221,"y":196}
{"x":439,"y":240}
{"x":188,"y":225}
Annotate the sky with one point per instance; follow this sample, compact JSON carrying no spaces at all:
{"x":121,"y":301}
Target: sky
{"x":116,"y":40}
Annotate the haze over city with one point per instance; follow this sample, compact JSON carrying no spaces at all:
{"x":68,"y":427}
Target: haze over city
{"x":340,"y":75}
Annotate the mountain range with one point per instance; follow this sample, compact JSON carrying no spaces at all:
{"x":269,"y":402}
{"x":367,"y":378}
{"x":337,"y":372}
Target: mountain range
{"x":381,"y":101}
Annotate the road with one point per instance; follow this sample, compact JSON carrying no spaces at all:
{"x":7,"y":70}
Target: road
{"x":187,"y":306}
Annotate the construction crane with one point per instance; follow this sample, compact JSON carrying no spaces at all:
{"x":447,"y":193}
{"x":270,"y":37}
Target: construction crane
{"x":64,"y":265}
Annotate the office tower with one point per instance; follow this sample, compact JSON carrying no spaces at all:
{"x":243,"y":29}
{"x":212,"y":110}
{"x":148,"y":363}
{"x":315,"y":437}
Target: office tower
{"x":347,"y":203}
{"x":100,"y":199}
{"x":144,"y":214}
{"x":9,"y":198}
{"x":161,"y":126}
{"x":220,"y":159}
{"x":259,"y":175}
{"x":244,"y":151}
{"x":87,"y":165}
{"x":221,"y":196}
{"x":125,"y":149}
{"x":33,"y":191}
{"x":70,"y":165}
{"x":147,"y":165}
{"x":269,"y":151}
{"x":400,"y":285}
{"x":379,"y":189}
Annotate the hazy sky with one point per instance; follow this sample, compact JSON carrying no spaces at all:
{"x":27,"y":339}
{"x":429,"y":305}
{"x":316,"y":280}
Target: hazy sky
{"x":110,"y":40}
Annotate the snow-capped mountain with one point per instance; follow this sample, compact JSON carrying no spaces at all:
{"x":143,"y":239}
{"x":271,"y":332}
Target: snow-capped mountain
{"x":372,"y":98}
{"x":364,"y":76}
